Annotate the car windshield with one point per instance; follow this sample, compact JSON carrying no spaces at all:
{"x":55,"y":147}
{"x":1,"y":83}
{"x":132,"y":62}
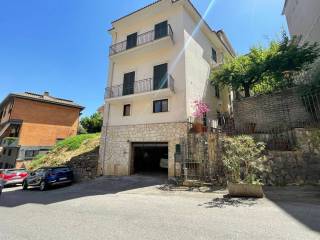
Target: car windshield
{"x":10,"y":171}
{"x":61,"y":169}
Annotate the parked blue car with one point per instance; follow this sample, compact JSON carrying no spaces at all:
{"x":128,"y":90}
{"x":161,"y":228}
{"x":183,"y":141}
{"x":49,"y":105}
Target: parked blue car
{"x":48,"y":176}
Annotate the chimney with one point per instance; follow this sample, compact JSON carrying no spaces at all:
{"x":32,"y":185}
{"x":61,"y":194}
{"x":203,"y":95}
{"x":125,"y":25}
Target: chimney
{"x":46,"y":94}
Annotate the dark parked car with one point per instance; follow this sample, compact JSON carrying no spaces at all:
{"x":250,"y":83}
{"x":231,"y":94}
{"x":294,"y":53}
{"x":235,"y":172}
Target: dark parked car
{"x":48,"y":176}
{"x":1,"y":187}
{"x":12,"y":176}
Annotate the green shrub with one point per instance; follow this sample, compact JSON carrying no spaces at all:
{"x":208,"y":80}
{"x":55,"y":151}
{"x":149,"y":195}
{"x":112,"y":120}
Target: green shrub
{"x":93,"y":123}
{"x":242,"y":159}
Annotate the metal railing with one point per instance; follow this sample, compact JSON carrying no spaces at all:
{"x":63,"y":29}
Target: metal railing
{"x":141,"y":39}
{"x":141,"y":86}
{"x":9,"y":142}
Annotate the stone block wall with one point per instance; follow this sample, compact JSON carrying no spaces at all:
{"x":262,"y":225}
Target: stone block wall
{"x":308,"y":139}
{"x":270,"y":110}
{"x":85,"y":166}
{"x":116,"y":142}
{"x":292,"y":167}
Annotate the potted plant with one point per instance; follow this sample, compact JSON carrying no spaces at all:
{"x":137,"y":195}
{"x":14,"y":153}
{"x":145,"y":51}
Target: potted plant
{"x":201,"y":108}
{"x":243,"y":163}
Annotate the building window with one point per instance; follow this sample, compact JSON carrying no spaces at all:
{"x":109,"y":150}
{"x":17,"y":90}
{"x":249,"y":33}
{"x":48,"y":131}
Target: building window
{"x":126,"y":110}
{"x":217,"y":91}
{"x":132,"y":40}
{"x":178,"y":148}
{"x":160,"y":76}
{"x":214,"y":55}
{"x":161,"y":30}
{"x":9,"y":152}
{"x":160,"y":106}
{"x":4,"y":152}
{"x":128,"y":83}
{"x":29,"y":154}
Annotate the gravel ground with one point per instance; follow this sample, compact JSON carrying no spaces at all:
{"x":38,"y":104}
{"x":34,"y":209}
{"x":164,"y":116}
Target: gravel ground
{"x":139,"y":207}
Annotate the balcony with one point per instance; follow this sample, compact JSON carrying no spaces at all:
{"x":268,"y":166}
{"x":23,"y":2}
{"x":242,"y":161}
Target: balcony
{"x":10,"y":142}
{"x":141,"y":40}
{"x":141,"y":88}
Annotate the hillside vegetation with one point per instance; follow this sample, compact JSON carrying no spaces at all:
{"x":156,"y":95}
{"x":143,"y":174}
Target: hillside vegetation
{"x":65,"y":150}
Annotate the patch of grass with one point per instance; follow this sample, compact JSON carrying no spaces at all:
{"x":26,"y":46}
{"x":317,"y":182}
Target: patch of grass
{"x":37,"y":161}
{"x":73,"y":143}
{"x":66,"y":149}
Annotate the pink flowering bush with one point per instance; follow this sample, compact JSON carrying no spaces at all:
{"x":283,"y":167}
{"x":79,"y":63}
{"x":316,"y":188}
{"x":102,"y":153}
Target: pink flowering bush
{"x":200,"y":108}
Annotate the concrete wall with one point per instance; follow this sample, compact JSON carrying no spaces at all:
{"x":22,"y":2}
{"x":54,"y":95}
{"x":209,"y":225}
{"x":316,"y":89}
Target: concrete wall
{"x":270,"y":110}
{"x":198,"y":60}
{"x":303,"y":18}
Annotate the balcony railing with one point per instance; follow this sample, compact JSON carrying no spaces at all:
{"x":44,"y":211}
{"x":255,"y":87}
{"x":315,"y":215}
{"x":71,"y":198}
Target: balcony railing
{"x":9,"y":142}
{"x":141,"y":39}
{"x":141,"y":86}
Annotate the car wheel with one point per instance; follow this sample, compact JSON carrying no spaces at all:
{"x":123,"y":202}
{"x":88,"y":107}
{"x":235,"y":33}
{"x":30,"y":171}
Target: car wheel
{"x":24,"y":185}
{"x":43,"y":186}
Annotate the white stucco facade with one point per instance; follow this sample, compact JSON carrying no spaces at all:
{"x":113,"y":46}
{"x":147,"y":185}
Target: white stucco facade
{"x":186,"y":52}
{"x":303,"y":18}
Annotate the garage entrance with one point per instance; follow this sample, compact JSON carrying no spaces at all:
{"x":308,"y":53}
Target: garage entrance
{"x":149,"y":158}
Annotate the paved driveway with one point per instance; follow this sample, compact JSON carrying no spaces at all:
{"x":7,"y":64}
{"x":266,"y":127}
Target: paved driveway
{"x":135,"y":208}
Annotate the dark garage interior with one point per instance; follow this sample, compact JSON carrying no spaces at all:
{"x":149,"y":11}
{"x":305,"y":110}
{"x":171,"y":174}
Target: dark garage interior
{"x":150,"y":158}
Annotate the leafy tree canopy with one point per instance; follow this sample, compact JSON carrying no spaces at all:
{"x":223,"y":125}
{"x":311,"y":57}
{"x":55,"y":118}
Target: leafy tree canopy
{"x":93,"y":123}
{"x":266,"y":69}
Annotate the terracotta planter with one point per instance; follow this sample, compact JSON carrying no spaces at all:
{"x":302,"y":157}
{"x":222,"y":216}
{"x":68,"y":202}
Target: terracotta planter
{"x":197,"y":127}
{"x":245,"y":190}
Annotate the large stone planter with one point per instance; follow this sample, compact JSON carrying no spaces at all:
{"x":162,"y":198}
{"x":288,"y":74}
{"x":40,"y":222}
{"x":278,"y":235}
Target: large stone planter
{"x":245,"y":190}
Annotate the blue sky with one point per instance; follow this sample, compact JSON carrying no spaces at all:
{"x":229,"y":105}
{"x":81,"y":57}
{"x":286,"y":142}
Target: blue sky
{"x":61,"y":46}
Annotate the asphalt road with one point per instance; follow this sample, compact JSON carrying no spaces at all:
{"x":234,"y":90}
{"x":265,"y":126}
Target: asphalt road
{"x":134,"y":208}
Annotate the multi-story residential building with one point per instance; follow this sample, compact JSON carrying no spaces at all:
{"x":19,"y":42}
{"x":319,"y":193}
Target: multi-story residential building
{"x":31,"y":124}
{"x":160,"y":60}
{"x":303,"y":18}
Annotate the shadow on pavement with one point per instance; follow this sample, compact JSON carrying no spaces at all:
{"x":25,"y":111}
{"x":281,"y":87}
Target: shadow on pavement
{"x":100,"y":186}
{"x":302,"y":203}
{"x":225,"y":201}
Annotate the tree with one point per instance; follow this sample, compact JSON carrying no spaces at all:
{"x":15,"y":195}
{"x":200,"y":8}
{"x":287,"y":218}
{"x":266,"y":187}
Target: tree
{"x":267,"y":69}
{"x":291,"y":59}
{"x":93,"y":123}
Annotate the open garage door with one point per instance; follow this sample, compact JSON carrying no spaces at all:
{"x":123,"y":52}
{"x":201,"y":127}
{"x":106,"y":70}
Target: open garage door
{"x":150,"y":158}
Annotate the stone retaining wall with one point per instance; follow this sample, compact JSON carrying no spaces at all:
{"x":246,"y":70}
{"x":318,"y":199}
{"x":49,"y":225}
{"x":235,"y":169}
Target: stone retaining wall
{"x":292,"y":167}
{"x":85,"y":166}
{"x":116,"y":152}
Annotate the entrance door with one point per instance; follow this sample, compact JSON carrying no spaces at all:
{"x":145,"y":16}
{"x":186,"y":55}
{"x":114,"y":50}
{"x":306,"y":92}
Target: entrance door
{"x":128,"y":83}
{"x":160,"y":76}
